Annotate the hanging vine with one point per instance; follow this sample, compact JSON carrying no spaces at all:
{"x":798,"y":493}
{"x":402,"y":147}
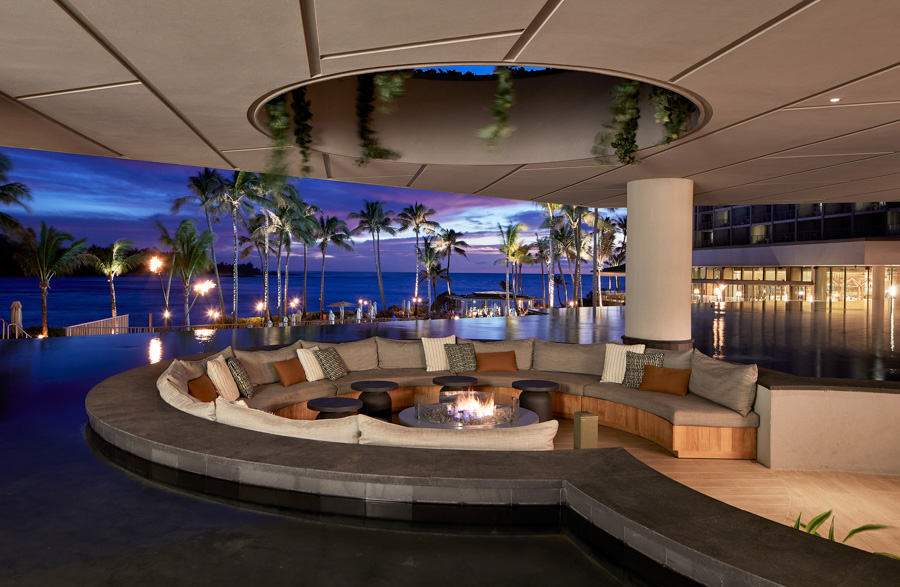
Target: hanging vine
{"x":302,"y":127}
{"x":368,"y":138}
{"x":504,"y":99}
{"x":672,"y":110}
{"x":621,"y":132}
{"x":279,"y":124}
{"x":390,"y":87}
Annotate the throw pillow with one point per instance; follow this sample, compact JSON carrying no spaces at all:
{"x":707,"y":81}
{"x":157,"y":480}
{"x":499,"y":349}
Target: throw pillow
{"x":496,"y":362}
{"x":461,"y":357}
{"x":614,"y":361}
{"x":665,"y":380}
{"x":435,"y":357}
{"x":241,"y":378}
{"x":310,"y":365}
{"x":634,"y":367}
{"x":220,"y":374}
{"x":289,"y":372}
{"x":732,"y":386}
{"x":203,"y":389}
{"x":330,"y":361}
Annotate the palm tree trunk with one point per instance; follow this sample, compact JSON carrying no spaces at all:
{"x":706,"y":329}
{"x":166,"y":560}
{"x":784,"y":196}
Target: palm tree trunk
{"x":376,"y":247}
{"x":278,"y":272}
{"x":169,"y":286}
{"x":417,"y":263}
{"x":449,"y":253}
{"x":303,"y":304}
{"x":597,"y":300}
{"x":563,"y":279}
{"x":266,"y":273}
{"x":429,"y":297}
{"x":235,"y":284}
{"x":543,"y":285}
{"x":112,"y":296}
{"x":577,"y":276}
{"x":187,"y":313}
{"x":322,"y":288}
{"x":287,"y":261}
{"x":212,"y":253}
{"x":45,"y":288}
{"x":506,"y":309}
{"x":551,"y":274}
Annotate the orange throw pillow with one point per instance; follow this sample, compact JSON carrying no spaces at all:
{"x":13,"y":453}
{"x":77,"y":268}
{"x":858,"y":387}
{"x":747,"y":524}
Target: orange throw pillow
{"x":290,"y":371}
{"x":203,"y":389}
{"x":505,"y":361}
{"x":662,"y":380}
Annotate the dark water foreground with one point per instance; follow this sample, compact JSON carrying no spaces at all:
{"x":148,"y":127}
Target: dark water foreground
{"x":69,"y":516}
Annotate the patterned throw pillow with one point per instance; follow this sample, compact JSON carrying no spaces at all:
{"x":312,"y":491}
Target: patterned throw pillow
{"x":634,"y":367}
{"x":461,"y":357}
{"x":332,"y":365}
{"x":241,"y":377}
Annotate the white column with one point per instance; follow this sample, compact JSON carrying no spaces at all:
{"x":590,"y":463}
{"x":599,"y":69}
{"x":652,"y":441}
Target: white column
{"x":658,"y":268}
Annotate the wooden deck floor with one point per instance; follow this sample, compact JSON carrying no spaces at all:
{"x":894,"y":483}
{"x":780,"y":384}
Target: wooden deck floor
{"x":780,"y":496}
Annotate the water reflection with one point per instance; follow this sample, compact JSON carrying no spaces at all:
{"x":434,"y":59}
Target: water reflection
{"x":718,"y":328}
{"x":204,"y":334}
{"x":155,"y":350}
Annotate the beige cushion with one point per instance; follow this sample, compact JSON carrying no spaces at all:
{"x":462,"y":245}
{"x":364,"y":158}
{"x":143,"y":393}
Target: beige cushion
{"x":259,"y":363}
{"x":400,"y":354}
{"x":524,"y":349}
{"x":274,"y":396}
{"x":732,"y":386}
{"x":614,"y":360}
{"x":569,"y":358}
{"x":342,"y":430}
{"x":221,"y":377}
{"x":173,"y":389}
{"x":533,"y":437}
{"x":674,"y":359}
{"x":311,"y":366}
{"x":435,"y":355}
{"x":359,"y":355}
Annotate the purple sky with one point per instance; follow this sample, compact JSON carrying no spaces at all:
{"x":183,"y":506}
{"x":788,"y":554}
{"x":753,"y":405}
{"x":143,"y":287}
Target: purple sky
{"x":105,"y":199}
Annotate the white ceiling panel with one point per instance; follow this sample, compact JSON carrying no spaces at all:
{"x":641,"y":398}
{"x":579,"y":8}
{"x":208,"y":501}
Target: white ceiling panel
{"x":882,"y":139}
{"x":529,"y":184}
{"x":882,"y":87}
{"x":463,"y":179}
{"x":765,"y":168}
{"x":257,"y":159}
{"x":345,"y":169}
{"x":25,"y":129}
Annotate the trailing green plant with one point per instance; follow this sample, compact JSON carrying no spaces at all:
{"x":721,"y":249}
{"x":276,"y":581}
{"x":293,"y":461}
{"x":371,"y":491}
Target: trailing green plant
{"x":812,"y":527}
{"x":302,"y":127}
{"x":279,"y":124}
{"x":504,"y":99}
{"x":389,"y":88}
{"x":672,"y":110}
{"x":365,"y":106}
{"x":620,"y":135}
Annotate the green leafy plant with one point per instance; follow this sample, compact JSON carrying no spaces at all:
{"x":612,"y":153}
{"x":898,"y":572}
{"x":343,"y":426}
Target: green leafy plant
{"x":368,"y":139}
{"x":621,"y":132}
{"x":504,"y":99}
{"x":812,"y":527}
{"x":279,"y":124}
{"x":672,"y":110}
{"x":389,"y":88}
{"x":302,"y":127}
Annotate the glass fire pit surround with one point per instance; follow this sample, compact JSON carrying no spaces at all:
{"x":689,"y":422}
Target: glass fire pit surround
{"x":467,"y":409}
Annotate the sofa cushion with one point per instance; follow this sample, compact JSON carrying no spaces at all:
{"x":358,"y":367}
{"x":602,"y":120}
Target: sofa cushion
{"x":614,"y":360}
{"x":571,"y":383}
{"x":503,"y":361}
{"x":173,"y":389}
{"x":689,"y":410}
{"x":634,"y":367}
{"x":240,"y":376}
{"x":274,"y":396}
{"x":332,"y":365}
{"x":290,"y":372}
{"x":259,"y":363}
{"x":663,"y":380}
{"x":535,"y":437}
{"x":202,"y":388}
{"x":400,"y":354}
{"x":569,"y":358}
{"x":460,"y":357}
{"x":435,"y":356}
{"x":311,"y":367}
{"x":221,"y":376}
{"x":359,"y":355}
{"x":523,"y":348}
{"x":343,"y":430}
{"x":732,"y":386}
{"x":674,"y":359}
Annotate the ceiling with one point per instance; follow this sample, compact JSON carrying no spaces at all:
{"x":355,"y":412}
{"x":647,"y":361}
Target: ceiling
{"x":178,"y":82}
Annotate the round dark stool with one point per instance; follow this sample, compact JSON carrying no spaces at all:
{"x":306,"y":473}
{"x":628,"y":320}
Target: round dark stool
{"x":453,"y":384}
{"x":330,"y":408}
{"x":535,"y":396}
{"x":376,"y":401}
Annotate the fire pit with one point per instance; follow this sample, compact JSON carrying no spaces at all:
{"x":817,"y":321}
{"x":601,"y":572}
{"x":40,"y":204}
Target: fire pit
{"x":466,"y":409}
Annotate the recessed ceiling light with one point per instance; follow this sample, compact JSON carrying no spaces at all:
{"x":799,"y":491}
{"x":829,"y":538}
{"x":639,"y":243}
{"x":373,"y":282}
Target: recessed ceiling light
{"x":835,"y":100}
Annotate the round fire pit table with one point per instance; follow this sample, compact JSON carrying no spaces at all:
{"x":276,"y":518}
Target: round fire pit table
{"x":535,"y":396}
{"x":453,"y":384}
{"x":330,"y":408}
{"x":376,"y":401}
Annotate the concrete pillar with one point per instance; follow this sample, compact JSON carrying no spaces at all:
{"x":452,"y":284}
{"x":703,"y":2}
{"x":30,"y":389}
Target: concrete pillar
{"x":658,"y":270}
{"x":820,"y":280}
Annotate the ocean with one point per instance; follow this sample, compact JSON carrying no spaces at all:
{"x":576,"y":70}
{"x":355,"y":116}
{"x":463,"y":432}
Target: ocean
{"x":75,"y":300}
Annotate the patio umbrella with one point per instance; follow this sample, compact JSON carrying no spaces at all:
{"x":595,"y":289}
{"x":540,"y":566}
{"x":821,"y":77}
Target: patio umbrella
{"x":341,"y":305}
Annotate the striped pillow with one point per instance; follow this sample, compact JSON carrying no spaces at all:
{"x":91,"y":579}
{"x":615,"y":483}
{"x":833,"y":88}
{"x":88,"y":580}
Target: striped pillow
{"x":220,"y":374}
{"x":634,"y":367}
{"x":310,"y":365}
{"x":241,"y":378}
{"x":435,"y":355}
{"x":614,"y":362}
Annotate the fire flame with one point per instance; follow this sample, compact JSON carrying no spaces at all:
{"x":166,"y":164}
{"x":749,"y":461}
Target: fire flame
{"x":469,"y":406}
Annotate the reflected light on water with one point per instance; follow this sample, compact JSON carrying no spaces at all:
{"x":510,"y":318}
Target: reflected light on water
{"x":204,"y":334}
{"x":155,"y":350}
{"x":718,"y":328}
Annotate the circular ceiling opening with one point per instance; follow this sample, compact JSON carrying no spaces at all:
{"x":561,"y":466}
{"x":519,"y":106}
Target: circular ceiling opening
{"x":473,"y":116}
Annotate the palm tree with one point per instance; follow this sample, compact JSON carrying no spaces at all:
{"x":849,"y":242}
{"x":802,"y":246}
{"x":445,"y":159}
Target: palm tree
{"x":374,"y":220}
{"x":13,"y":193}
{"x":166,"y":240}
{"x":509,"y":244}
{"x":284,"y":202}
{"x":431,"y":269}
{"x":206,"y":185}
{"x":522,"y":257}
{"x":331,"y":231}
{"x":258,"y":240}
{"x":575,"y":218}
{"x":564,"y":238}
{"x":550,"y":223}
{"x":236,"y":198}
{"x":49,"y":256}
{"x":542,"y":257}
{"x":191,"y":257}
{"x":415,"y":217}
{"x":306,"y":229}
{"x":449,"y":243}
{"x":289,"y":223}
{"x":113,"y":261}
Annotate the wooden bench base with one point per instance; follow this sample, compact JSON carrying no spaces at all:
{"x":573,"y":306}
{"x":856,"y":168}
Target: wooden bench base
{"x":685,"y":442}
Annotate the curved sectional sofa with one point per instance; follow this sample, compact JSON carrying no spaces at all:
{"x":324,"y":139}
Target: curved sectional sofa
{"x":691,"y":426}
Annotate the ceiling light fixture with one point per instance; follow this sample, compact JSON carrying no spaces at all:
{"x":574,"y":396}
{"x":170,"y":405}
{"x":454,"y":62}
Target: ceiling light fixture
{"x":835,"y":100}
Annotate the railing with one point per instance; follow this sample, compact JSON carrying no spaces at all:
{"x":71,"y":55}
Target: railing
{"x":760,"y":239}
{"x":831,"y":209}
{"x":893,"y":229}
{"x":114,"y":325}
{"x":10,"y":329}
{"x":810,"y":213}
{"x":784,"y":215}
{"x":740,"y":220}
{"x":722,"y":223}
